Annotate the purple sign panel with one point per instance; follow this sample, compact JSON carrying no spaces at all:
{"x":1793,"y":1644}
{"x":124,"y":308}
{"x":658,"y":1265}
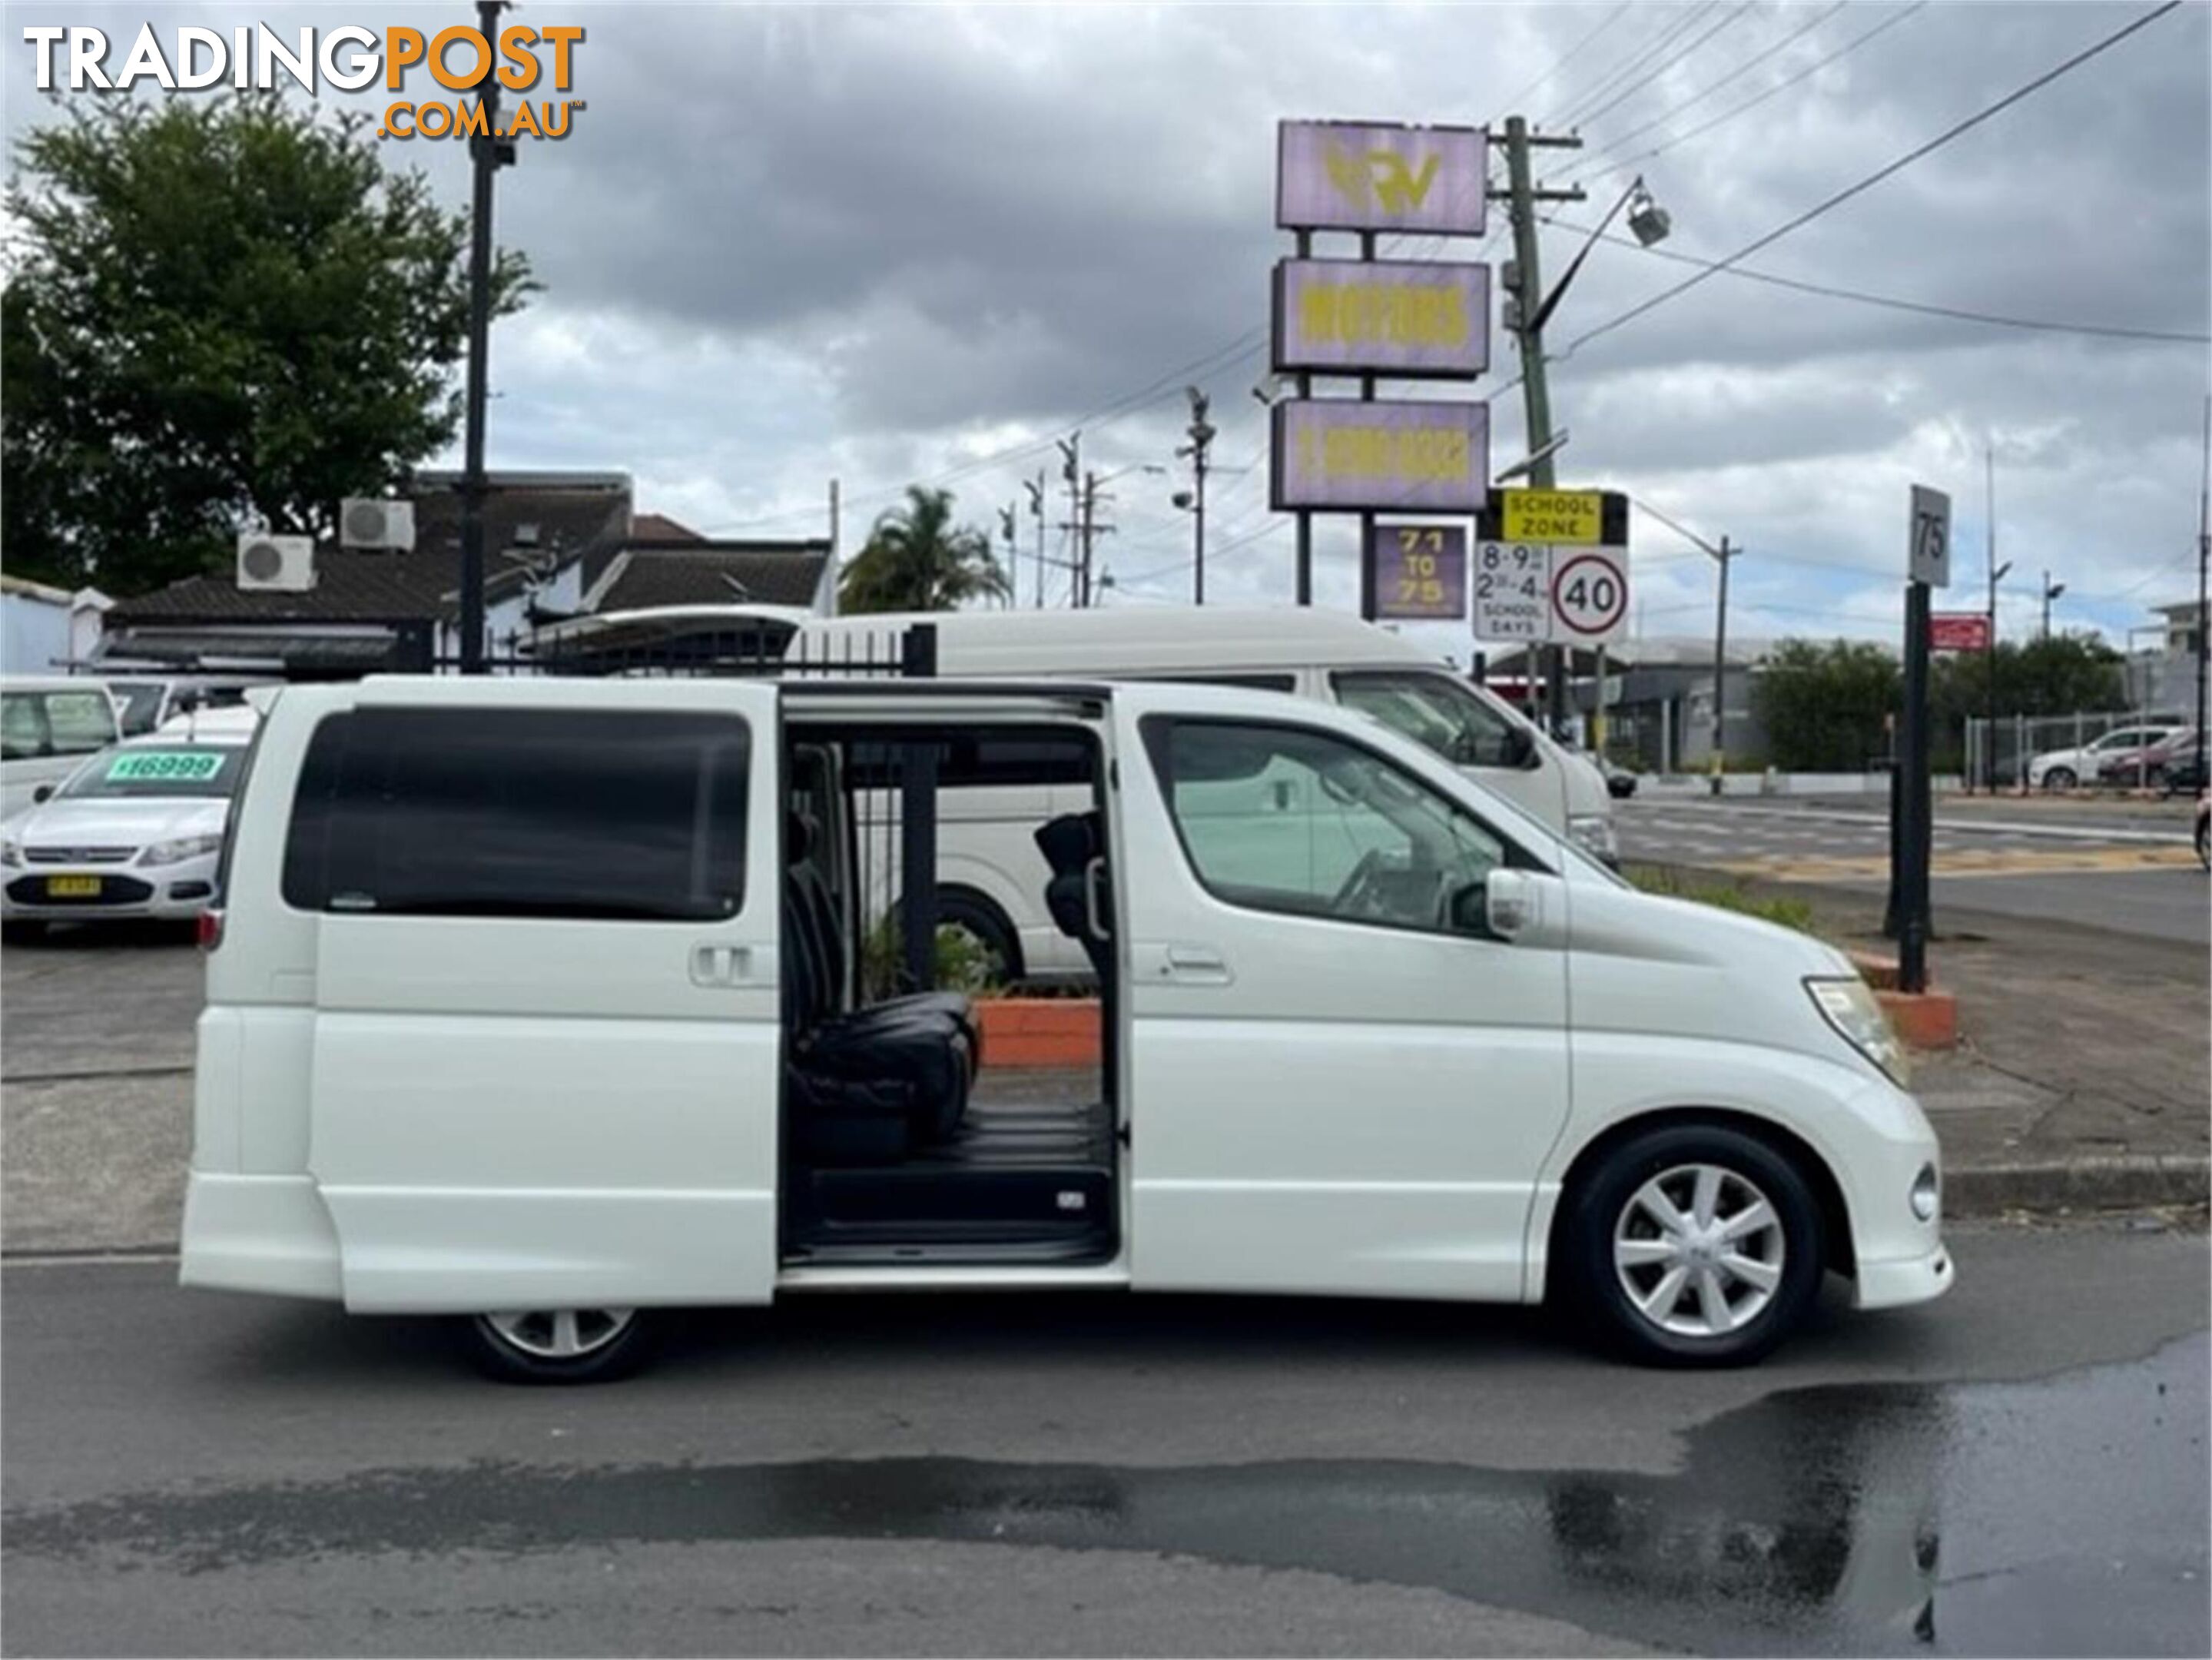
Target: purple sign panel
{"x":1336,"y":455}
{"x":1396,"y":317}
{"x":1420,"y":572}
{"x":1361,"y":175}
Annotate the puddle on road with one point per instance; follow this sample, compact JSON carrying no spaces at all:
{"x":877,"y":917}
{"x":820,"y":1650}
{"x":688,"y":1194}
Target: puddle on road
{"x":2064,"y":1517}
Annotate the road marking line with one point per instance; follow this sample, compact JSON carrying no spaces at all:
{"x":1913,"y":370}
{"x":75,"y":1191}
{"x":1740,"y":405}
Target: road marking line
{"x":1979,"y":861}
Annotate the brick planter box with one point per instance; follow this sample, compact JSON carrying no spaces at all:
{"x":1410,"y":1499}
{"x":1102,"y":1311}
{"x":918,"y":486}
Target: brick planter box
{"x":1039,"y":1031}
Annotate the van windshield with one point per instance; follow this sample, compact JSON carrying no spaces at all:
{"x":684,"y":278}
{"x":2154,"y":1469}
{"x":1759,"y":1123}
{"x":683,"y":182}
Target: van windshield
{"x":1436,"y":712}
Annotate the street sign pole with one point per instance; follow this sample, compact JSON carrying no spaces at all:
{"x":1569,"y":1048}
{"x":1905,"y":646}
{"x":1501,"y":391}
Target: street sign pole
{"x":1913,"y":839}
{"x":1928,"y":560}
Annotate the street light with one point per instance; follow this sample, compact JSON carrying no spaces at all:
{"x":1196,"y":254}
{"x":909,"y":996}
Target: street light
{"x":2050,"y":591}
{"x":1649,"y":221}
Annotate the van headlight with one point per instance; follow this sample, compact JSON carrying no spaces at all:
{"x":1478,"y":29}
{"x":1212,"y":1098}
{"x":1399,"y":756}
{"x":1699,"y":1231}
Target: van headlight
{"x":1593,"y":833}
{"x":184,"y":848}
{"x":1851,"y":1008}
{"x":10,"y":854}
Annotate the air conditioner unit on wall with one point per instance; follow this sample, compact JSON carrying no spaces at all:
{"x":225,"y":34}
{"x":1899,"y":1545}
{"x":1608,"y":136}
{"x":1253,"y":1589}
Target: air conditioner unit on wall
{"x":282,"y":563}
{"x":367,"y":522}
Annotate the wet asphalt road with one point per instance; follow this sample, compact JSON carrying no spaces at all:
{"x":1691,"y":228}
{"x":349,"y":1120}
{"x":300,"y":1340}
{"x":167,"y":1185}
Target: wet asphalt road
{"x":2019,"y":1469}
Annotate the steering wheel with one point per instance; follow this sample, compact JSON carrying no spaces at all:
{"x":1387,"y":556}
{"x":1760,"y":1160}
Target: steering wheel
{"x":1351,"y":898}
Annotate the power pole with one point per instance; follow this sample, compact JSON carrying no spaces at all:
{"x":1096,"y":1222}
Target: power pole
{"x":2050,"y":591}
{"x":1007,"y":516}
{"x":1722,"y":555}
{"x":1997,"y":575}
{"x":1201,"y":440}
{"x":1528,"y":323}
{"x":2204,"y":558}
{"x":1071,"y":469}
{"x":488,"y":152}
{"x":1035,"y":488}
{"x":836,"y":514}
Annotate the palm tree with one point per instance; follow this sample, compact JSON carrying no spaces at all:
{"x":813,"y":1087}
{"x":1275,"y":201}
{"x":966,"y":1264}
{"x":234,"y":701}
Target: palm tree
{"x":917,"y":559}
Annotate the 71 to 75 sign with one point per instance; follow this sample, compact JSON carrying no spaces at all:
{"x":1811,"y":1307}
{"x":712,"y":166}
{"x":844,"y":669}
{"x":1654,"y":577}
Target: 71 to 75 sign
{"x":1556,"y":594}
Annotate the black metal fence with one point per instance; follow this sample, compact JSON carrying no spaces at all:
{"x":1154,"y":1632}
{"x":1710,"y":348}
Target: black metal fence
{"x":755,"y":652}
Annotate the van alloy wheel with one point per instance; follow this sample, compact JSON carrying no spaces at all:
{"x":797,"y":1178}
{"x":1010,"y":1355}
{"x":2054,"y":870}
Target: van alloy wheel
{"x":558,"y":1346}
{"x":561,"y":1334}
{"x":1700,"y":1250}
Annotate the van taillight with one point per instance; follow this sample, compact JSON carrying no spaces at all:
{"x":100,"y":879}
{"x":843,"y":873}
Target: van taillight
{"x":210,"y":929}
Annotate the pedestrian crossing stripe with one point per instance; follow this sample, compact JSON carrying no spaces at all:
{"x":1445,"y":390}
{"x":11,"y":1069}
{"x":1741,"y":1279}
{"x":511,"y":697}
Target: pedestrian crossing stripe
{"x":1968,"y":861}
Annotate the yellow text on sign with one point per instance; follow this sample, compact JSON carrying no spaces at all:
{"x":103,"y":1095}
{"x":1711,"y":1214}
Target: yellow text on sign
{"x":1574,"y":516}
{"x":1366,"y":313}
{"x":1394,"y":454}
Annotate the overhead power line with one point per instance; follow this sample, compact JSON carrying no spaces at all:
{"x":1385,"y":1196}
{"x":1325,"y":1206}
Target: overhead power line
{"x":1754,"y":101}
{"x":1917,"y":153}
{"x":1711,"y":88}
{"x":1571,"y":52}
{"x":1685,"y":20}
{"x":1892,"y":303}
{"x":1627,"y":92}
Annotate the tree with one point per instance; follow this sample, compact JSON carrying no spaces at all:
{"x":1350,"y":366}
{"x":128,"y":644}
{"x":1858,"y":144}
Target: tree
{"x":222,"y":314}
{"x":1823,"y":703}
{"x":917,"y":560}
{"x":2056,"y":676}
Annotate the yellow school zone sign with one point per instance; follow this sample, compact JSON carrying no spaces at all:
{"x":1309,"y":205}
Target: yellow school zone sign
{"x":1574,"y":517}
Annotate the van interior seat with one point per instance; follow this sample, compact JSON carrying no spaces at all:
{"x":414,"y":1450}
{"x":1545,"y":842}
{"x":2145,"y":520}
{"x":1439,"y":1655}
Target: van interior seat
{"x":1070,"y":844}
{"x":819,"y":905}
{"x":870,"y":1085}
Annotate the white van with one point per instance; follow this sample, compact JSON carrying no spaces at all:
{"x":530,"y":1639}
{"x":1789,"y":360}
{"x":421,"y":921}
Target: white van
{"x":988,"y":873}
{"x":48,"y":724}
{"x":538,"y":1002}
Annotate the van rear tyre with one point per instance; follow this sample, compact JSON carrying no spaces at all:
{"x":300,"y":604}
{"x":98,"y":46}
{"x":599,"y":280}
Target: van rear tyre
{"x":1693,"y":1245}
{"x":558,"y":1346}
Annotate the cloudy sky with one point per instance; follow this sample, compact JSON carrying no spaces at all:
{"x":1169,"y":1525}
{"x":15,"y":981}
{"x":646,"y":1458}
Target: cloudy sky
{"x":785,"y":244}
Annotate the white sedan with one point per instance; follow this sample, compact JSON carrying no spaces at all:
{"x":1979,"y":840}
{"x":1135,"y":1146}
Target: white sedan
{"x":137,"y":831}
{"x":2062,"y":770}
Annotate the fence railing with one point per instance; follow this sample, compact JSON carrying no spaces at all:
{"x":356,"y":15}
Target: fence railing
{"x":2023,"y":752}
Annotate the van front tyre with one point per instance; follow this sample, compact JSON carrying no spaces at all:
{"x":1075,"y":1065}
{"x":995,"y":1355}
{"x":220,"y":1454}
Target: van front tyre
{"x":1693,"y":1245}
{"x":558,"y":1346}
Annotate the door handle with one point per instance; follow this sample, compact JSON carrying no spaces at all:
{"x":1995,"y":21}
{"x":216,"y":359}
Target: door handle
{"x":731,"y":966}
{"x":1196,"y":965}
{"x":1092,"y":874}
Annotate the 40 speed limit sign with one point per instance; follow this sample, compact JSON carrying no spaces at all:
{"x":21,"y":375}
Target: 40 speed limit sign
{"x":1550,"y":594}
{"x":1589,"y":595}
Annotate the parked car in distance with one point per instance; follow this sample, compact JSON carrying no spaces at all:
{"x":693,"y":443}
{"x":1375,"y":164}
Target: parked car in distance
{"x":531,"y":1002}
{"x":148,"y":702}
{"x":135,"y":832}
{"x":2184,"y":776}
{"x":2144,"y":767}
{"x":2062,"y":769}
{"x":48,"y":724}
{"x":1619,"y":782}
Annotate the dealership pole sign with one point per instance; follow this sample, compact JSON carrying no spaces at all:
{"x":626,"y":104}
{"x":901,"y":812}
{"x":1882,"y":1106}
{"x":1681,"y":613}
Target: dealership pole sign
{"x":1409,"y":319}
{"x":1400,"y":320}
{"x":1335,"y":455}
{"x":1376,"y":176}
{"x":1420,"y":572}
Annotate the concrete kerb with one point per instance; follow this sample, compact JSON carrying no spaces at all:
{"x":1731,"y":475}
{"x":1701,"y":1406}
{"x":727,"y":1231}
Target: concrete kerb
{"x":2109,"y":1182}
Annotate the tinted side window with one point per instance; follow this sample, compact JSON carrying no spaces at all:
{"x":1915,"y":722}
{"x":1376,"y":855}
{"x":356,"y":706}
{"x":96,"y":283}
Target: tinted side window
{"x":521,"y":812}
{"x":1289,"y":819}
{"x":82,"y":721}
{"x":1434,"y":711}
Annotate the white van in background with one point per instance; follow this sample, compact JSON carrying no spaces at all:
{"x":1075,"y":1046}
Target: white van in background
{"x":989,"y":873}
{"x":48,"y":724}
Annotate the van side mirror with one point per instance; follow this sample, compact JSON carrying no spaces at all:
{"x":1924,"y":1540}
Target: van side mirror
{"x":1502,"y":906}
{"x":44,"y":793}
{"x":1519,"y":748}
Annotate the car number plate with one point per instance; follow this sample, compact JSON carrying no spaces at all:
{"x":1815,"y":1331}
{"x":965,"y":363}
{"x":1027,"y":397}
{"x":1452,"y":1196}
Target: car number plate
{"x":72,"y":887}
